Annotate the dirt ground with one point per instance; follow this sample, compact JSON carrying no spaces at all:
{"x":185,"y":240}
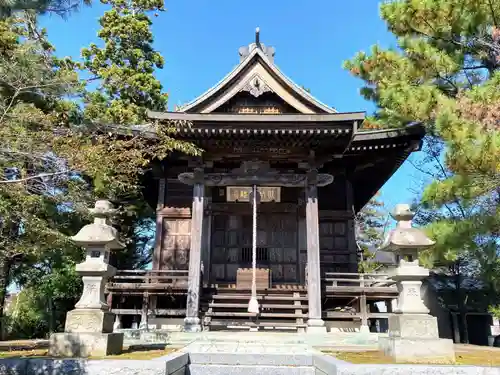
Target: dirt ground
{"x":128,"y":353}
{"x":464,"y":354}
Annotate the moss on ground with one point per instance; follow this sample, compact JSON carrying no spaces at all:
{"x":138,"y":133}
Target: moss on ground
{"x":474,"y":357}
{"x":128,"y":353}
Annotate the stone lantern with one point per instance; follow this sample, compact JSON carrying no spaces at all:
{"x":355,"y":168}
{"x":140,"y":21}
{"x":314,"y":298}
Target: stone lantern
{"x":413,"y":333}
{"x":89,"y":327}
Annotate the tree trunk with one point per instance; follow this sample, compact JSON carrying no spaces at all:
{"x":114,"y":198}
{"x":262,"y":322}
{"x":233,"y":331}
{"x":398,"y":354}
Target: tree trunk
{"x":4,"y":283}
{"x":464,"y":333}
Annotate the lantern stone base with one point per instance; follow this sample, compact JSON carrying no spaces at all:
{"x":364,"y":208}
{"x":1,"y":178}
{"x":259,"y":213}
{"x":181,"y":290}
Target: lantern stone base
{"x":89,"y":320}
{"x":414,"y":338}
{"x":84,"y":345}
{"x":404,"y":350}
{"x":192,"y":324}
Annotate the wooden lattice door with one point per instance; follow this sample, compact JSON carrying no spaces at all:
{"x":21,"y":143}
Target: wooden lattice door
{"x":276,"y":246}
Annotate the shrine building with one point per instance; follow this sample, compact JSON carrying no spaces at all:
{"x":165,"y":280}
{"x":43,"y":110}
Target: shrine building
{"x":314,"y":168}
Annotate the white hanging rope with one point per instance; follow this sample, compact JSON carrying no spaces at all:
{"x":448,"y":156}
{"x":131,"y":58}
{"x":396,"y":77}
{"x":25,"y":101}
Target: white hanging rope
{"x":253,"y":304}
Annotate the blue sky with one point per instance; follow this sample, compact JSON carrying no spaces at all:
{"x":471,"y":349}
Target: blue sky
{"x":200,"y":39}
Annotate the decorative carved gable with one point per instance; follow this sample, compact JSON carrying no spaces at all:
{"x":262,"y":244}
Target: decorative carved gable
{"x":257,"y":75}
{"x":256,"y":86}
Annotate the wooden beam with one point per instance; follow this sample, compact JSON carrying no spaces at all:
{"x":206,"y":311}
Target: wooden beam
{"x":166,"y":312}
{"x":266,"y":119}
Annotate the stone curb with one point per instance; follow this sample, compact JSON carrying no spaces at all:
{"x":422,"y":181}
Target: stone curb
{"x":23,"y":366}
{"x":175,"y":362}
{"x":250,"y":359}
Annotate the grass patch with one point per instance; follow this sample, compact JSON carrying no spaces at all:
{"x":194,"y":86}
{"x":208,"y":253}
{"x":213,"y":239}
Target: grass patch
{"x":471,"y":358}
{"x":135,"y":352}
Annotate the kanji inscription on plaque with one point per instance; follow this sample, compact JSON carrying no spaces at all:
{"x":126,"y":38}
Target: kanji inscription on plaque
{"x":242,"y":193}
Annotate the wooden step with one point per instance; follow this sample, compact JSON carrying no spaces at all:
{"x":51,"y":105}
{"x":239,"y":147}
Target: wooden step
{"x":282,"y":315}
{"x":282,"y":324}
{"x":250,"y":315}
{"x":259,"y":297}
{"x":230,"y":313}
{"x":264,"y":306}
{"x":226,"y":323}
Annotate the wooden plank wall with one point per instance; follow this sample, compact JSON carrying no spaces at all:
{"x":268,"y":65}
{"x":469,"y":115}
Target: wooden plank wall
{"x":336,"y":228}
{"x":174,"y":226}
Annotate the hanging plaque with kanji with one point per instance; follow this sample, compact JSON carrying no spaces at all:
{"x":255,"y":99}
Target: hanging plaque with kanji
{"x":243,"y":193}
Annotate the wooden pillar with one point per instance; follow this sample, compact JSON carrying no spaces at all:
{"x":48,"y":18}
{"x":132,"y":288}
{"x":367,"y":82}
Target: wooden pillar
{"x":351,"y":229}
{"x":118,"y":322}
{"x":207,"y":245}
{"x":192,"y":320}
{"x":315,"y":322}
{"x":363,"y":309}
{"x":109,"y":300}
{"x":144,"y":311}
{"x":159,"y":224}
{"x":388,"y":305}
{"x":157,"y":251}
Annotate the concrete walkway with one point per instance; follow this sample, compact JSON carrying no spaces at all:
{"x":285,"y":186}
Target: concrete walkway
{"x":335,"y":340}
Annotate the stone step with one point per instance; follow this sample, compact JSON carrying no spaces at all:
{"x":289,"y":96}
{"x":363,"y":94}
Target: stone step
{"x":250,"y":370}
{"x":250,"y":359}
{"x":250,"y":355}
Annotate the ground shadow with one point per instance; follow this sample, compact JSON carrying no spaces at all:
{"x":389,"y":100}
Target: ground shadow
{"x":38,"y":363}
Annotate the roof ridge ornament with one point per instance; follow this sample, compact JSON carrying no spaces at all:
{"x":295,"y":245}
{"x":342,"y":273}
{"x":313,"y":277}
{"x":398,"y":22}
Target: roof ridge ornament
{"x":245,"y":51}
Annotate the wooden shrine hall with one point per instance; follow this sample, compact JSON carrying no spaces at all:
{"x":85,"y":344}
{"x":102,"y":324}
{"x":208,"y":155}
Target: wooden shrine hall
{"x":314,"y":168}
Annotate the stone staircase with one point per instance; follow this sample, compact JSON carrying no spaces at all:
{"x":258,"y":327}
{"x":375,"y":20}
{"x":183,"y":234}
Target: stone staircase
{"x":250,"y":364}
{"x":280,"y":309}
{"x":250,"y":359}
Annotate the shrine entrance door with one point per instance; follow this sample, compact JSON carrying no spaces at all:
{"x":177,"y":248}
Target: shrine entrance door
{"x":277,"y":245}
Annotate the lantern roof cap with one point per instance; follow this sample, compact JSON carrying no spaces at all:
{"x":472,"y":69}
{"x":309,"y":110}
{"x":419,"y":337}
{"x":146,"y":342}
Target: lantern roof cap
{"x":100,"y":232}
{"x":405,"y":236}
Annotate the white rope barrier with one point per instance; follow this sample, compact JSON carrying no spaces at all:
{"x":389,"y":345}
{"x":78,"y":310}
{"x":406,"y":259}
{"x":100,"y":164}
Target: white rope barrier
{"x":253,"y":304}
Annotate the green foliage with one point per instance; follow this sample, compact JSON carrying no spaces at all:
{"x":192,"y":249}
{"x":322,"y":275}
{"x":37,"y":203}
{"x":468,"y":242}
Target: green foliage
{"x":445,"y":74}
{"x":9,"y":8}
{"x":112,"y":153}
{"x":371,"y":222}
{"x":125,"y":65}
{"x":41,"y":201}
{"x":495,"y":311}
{"x":45,"y":186}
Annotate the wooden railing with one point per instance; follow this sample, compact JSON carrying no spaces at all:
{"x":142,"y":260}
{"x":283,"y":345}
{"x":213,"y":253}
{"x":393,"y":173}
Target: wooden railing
{"x":358,"y":282}
{"x":360,"y":287}
{"x":151,"y":280}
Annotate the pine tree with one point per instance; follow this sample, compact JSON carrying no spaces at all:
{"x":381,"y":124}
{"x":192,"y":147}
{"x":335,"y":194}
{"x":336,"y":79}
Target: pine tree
{"x":445,"y":74}
{"x":370,"y":227}
{"x":36,"y":185}
{"x":115,"y":159}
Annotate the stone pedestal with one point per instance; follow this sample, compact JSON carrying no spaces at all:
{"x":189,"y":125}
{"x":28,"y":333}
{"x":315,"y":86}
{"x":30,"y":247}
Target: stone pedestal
{"x":316,"y":326}
{"x":415,"y":338}
{"x":413,"y":333}
{"x":89,"y":327}
{"x":83,"y":345}
{"x":495,"y":331}
{"x":192,"y":324}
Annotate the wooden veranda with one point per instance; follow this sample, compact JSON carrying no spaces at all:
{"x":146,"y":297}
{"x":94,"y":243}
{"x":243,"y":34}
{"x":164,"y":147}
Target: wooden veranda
{"x":346,"y":297}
